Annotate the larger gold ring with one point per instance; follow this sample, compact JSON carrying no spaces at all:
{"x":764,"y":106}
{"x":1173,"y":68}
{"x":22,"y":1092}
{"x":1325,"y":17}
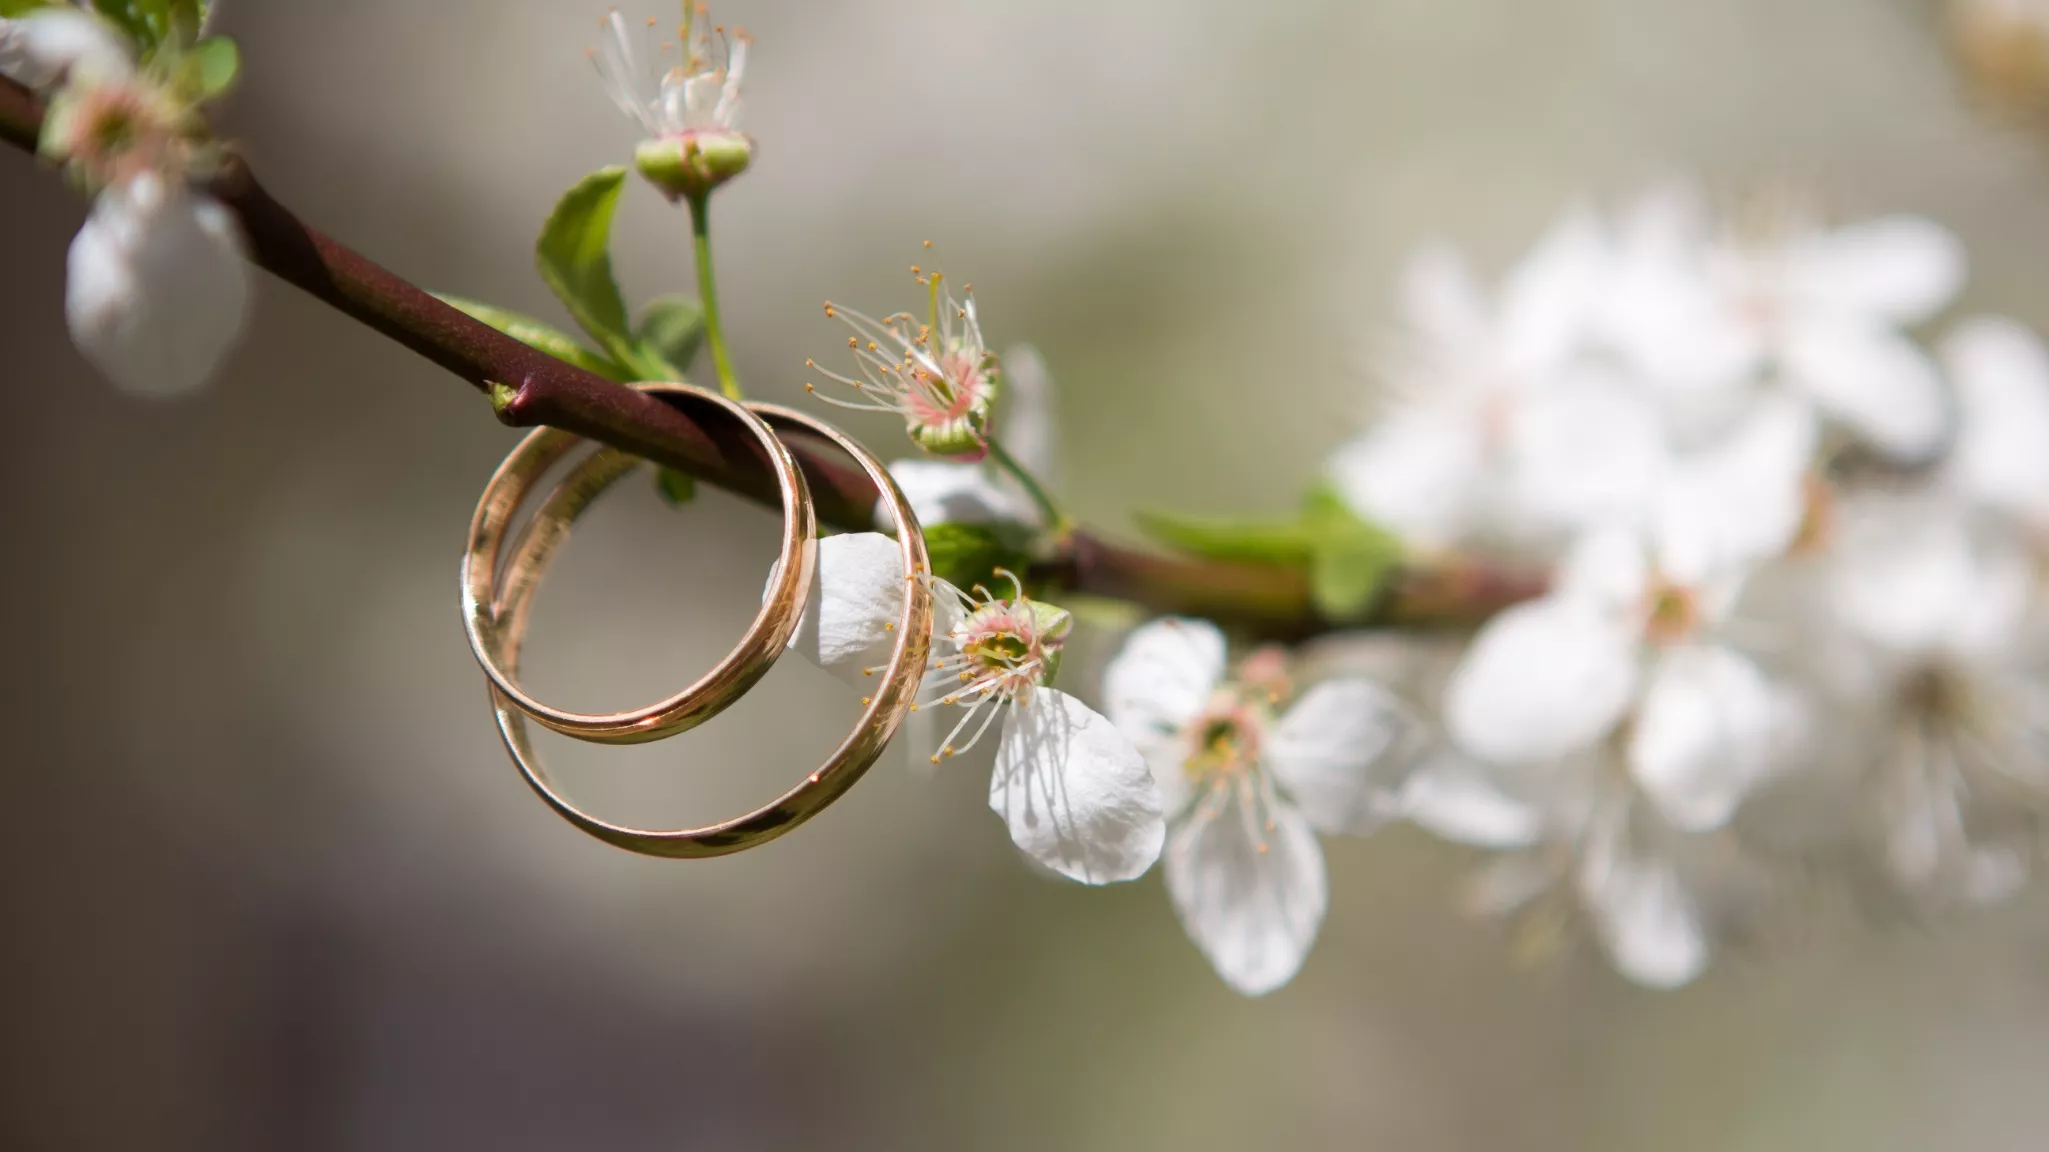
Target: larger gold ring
{"x":892,"y":701}
{"x":781,"y":610}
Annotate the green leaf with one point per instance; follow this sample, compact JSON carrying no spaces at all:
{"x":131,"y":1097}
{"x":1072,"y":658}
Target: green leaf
{"x":1348,"y":559}
{"x":671,"y":327}
{"x":968,"y":554}
{"x":678,"y":488}
{"x":1352,"y":558}
{"x":537,"y":334}
{"x":1259,"y":541}
{"x":210,"y":68}
{"x":12,"y":8}
{"x":1346,"y":574}
{"x":574,"y":255}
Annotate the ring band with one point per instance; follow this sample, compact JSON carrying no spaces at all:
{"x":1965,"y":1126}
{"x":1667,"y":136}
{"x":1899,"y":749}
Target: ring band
{"x":781,"y":610}
{"x":894,"y":697}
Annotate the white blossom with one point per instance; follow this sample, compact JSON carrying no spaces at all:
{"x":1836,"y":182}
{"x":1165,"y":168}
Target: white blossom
{"x":956,"y":492}
{"x":157,"y":286}
{"x":1499,"y":425}
{"x":1953,"y":691}
{"x":1814,"y":312}
{"x":1074,"y":792}
{"x":1246,"y":789}
{"x":1582,"y":846}
{"x":699,"y":95}
{"x":937,"y":374}
{"x":1633,"y":629}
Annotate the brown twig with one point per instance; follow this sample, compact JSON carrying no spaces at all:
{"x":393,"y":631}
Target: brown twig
{"x":1269,"y":601}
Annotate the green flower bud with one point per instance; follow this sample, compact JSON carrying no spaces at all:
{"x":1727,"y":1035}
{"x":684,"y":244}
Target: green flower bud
{"x":693,"y":163}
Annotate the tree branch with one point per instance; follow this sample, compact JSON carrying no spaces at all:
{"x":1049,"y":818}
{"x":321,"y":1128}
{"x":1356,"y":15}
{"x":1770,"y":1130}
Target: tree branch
{"x":1269,"y":601}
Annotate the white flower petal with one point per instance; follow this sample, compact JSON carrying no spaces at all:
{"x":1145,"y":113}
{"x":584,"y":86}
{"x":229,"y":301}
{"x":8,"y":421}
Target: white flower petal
{"x":1454,"y":799}
{"x":1586,"y":449}
{"x":1643,"y":914}
{"x":857,"y":593}
{"x":1732,"y":506}
{"x":2001,"y":373}
{"x":1902,"y":269}
{"x":1872,"y":379}
{"x":1704,"y":735}
{"x":1342,"y":753}
{"x":1248,"y":881}
{"x":48,"y":44}
{"x":157,"y":288}
{"x":1419,"y":473}
{"x":1662,"y":312}
{"x":1913,"y":581}
{"x":1606,"y":569}
{"x":1547,"y":300}
{"x":1075,"y":793}
{"x":945,"y":493}
{"x":1542,"y":679}
{"x":1156,"y":685}
{"x":1030,"y":428}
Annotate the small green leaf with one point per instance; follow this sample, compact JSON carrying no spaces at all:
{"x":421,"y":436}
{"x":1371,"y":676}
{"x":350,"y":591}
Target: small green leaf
{"x":538,"y":334}
{"x":965,"y":555}
{"x":12,"y":8}
{"x":1352,"y":558}
{"x":1269,"y":541}
{"x":678,"y":488}
{"x":1348,"y":560}
{"x":1346,"y":574}
{"x":670,"y":329}
{"x":210,"y":68}
{"x":574,"y":256}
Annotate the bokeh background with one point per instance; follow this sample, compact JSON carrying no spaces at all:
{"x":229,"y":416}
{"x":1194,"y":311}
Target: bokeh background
{"x":270,"y":882}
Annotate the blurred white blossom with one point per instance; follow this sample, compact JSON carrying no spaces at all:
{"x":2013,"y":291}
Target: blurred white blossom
{"x":1247,"y":786}
{"x":1789,"y":306}
{"x":1498,"y":423}
{"x":157,"y":285}
{"x":1633,"y":630}
{"x":1961,"y":712}
{"x":1654,"y":409}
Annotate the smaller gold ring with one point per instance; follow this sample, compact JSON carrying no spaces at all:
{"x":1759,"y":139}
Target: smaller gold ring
{"x":781,"y":610}
{"x":896,"y":691}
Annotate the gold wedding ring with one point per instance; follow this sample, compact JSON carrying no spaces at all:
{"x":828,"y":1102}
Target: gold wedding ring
{"x":781,"y":609}
{"x":505,"y":600}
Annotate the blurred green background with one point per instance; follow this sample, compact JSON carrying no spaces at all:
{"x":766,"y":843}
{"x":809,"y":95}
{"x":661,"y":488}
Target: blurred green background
{"x":272,"y":884}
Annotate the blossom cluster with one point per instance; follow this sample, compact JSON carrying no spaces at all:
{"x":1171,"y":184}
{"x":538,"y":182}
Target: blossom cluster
{"x":1793,"y":619}
{"x":1796,"y":560}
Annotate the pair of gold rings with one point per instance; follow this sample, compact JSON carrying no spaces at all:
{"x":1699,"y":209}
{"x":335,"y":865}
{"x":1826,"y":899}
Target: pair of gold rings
{"x":497,"y":593}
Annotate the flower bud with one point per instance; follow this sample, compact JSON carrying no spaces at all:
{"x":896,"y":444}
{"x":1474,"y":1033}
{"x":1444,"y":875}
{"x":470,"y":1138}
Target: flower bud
{"x":691,"y":164}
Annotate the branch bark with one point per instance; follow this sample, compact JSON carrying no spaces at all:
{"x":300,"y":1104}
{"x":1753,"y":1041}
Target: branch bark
{"x":1266,"y":601}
